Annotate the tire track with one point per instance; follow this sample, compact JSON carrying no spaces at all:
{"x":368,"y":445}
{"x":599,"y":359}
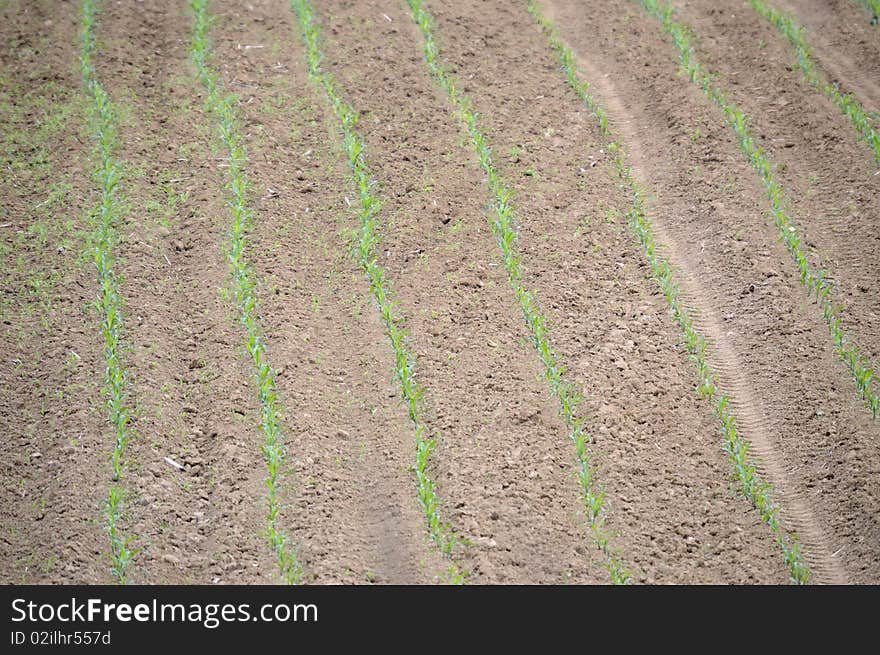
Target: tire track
{"x":752,"y":420}
{"x":758,"y":428}
{"x":769,"y":347}
{"x":810,"y":161}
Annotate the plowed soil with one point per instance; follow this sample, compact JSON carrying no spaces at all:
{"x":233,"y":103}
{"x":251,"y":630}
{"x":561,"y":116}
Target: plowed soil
{"x":504,"y":465}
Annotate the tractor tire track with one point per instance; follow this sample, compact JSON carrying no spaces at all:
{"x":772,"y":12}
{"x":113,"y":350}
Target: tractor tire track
{"x":667,"y":488}
{"x":734,"y":379}
{"x":830,"y":175}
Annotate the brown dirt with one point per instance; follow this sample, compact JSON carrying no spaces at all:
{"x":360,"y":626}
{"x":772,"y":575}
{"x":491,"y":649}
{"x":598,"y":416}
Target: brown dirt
{"x":504,"y":465}
{"x":54,"y":479}
{"x":829,"y":172}
{"x":844,"y":43}
{"x":710,"y":207}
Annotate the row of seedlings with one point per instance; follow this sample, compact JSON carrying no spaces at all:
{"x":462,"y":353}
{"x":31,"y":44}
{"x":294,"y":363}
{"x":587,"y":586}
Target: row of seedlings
{"x":105,"y":220}
{"x":503,"y":225}
{"x":222,"y":106}
{"x":368,"y":213}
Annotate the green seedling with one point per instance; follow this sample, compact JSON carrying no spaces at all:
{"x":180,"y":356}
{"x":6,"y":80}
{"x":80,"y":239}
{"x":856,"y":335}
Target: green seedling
{"x":105,"y":219}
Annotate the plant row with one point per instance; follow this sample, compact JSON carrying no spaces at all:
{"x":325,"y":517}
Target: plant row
{"x":872,"y":6}
{"x":758,"y":492}
{"x":848,"y":105}
{"x":104,"y":221}
{"x":816,"y":282}
{"x":504,"y":229}
{"x":222,"y":106}
{"x":367,"y":239}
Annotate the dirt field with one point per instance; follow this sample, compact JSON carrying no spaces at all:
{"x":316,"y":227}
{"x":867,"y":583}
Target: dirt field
{"x":548,"y":414}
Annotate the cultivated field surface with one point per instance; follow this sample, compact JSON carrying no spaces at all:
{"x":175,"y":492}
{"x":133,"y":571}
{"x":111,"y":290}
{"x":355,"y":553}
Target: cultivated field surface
{"x":422,"y":291}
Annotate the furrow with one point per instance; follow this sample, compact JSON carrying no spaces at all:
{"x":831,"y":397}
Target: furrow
{"x":54,"y":415}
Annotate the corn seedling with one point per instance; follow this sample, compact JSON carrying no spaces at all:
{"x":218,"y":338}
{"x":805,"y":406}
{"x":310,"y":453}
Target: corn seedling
{"x":222,"y":106}
{"x":505,"y":232}
{"x":817,"y":283}
{"x":848,"y":105}
{"x":105,"y":219}
{"x":753,"y":487}
{"x":367,"y":240}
